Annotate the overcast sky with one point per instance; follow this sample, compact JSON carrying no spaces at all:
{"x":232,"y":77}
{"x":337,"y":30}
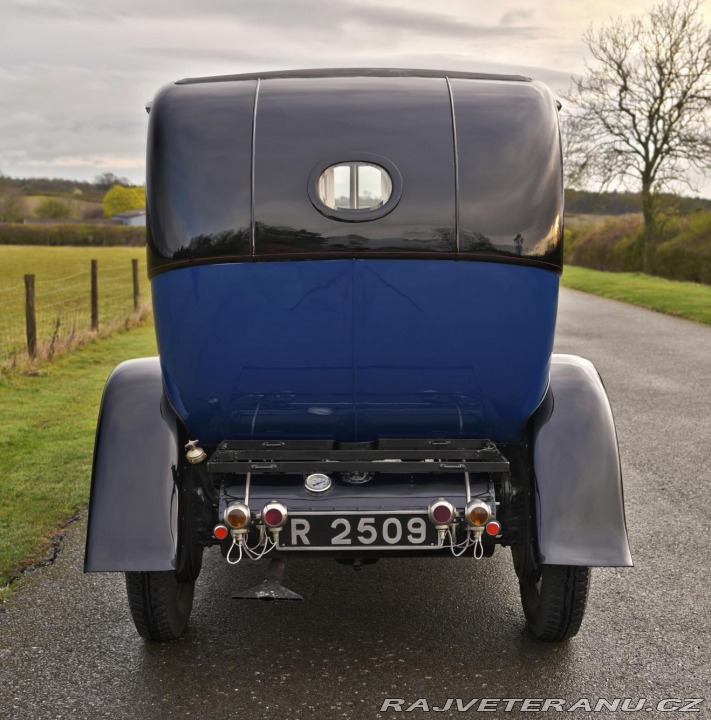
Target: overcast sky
{"x":75,"y":74}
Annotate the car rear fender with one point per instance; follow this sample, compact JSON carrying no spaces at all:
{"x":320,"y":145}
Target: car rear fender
{"x":133,"y":507}
{"x":580,"y":514}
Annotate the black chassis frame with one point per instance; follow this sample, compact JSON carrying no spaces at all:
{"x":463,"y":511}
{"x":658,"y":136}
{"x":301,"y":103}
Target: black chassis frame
{"x":299,"y":456}
{"x":436,"y":465}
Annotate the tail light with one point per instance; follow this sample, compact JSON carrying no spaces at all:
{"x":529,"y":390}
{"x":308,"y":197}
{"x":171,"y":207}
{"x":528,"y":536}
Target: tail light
{"x":478,"y":513}
{"x":441,"y":512}
{"x":237,"y":516}
{"x":274,"y":515}
{"x":493,"y":528}
{"x":220,"y":532}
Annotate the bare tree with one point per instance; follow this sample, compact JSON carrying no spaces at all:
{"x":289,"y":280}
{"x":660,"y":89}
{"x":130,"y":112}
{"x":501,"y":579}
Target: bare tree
{"x":107,"y":180}
{"x":641,"y":114}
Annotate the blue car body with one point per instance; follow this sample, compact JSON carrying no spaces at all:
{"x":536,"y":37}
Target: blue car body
{"x":284,"y":317}
{"x":355,"y":349}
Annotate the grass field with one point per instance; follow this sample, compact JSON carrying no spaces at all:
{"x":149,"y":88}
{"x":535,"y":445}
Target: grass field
{"x":678,"y":249}
{"x":47,"y":425}
{"x":577,"y":222}
{"x":62,"y":288}
{"x":683,"y":299}
{"x":77,"y":207}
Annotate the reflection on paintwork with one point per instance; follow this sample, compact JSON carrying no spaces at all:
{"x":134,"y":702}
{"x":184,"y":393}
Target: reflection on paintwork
{"x":508,"y":163}
{"x":338,"y":335}
{"x":510,"y":172}
{"x":330,"y":117}
{"x":199,"y":172}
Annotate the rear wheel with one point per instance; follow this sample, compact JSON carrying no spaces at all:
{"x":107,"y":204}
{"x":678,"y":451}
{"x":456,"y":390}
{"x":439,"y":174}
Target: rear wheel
{"x":554,"y":605}
{"x":160,"y":604}
{"x":553,"y":596}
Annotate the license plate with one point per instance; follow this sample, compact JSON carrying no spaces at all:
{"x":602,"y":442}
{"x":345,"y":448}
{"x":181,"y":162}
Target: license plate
{"x":380,"y":530}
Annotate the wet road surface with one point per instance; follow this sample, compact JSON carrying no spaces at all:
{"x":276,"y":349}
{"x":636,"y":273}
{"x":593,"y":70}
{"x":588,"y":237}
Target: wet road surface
{"x":426,"y":628}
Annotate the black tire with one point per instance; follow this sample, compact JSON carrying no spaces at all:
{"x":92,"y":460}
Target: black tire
{"x":160,"y":604}
{"x":554,"y":605}
{"x":189,"y":558}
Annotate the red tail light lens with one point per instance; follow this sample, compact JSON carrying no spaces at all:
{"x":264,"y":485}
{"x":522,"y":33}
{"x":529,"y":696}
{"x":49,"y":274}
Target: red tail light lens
{"x":493,"y":528}
{"x":220,"y":532}
{"x":274,"y":515}
{"x":441,"y":512}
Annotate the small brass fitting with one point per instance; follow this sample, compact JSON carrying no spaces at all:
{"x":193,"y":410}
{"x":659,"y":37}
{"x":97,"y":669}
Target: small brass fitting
{"x":194,"y":454}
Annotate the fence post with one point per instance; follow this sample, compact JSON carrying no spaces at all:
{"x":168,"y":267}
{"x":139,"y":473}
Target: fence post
{"x":30,"y":316}
{"x":94,"y":295}
{"x":136,"y":294}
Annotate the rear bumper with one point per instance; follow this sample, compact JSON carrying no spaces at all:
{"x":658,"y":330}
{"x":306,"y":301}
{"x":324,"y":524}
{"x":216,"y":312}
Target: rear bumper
{"x":356,"y":498}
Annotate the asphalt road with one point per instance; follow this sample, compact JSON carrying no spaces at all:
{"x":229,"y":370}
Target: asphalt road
{"x":433,"y":629}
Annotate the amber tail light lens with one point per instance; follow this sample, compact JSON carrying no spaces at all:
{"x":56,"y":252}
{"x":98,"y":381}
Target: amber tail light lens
{"x":237,"y":516}
{"x":478,"y":513}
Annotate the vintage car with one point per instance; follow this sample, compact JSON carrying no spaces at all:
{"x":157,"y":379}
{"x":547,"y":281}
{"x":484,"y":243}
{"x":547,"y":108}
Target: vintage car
{"x":355,"y":283}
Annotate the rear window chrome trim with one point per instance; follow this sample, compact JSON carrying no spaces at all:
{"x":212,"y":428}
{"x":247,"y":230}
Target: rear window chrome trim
{"x":354,"y":216}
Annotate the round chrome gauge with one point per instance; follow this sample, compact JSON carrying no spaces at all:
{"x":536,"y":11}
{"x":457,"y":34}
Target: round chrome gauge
{"x":317,"y":482}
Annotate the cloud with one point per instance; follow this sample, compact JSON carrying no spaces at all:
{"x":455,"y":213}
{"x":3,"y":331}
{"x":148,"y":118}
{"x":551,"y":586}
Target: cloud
{"x":76,"y":74}
{"x":512,"y":18}
{"x":276,"y":15}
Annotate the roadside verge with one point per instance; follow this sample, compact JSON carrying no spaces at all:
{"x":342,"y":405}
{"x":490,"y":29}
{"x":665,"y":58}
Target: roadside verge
{"x":47,"y":424}
{"x":683,"y":299}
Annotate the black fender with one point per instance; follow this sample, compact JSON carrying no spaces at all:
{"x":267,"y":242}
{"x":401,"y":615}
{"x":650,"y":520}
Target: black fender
{"x":133,"y":507}
{"x":580,"y":513}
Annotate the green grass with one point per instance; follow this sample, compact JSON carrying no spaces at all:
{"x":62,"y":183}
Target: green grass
{"x":679,"y":248}
{"x":683,"y":299}
{"x":76,"y":205}
{"x":56,"y":262}
{"x":47,"y":425}
{"x":62,"y":292}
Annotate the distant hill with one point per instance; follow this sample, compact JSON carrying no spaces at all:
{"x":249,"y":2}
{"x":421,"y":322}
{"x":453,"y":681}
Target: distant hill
{"x":582,"y":202}
{"x":58,"y":187}
{"x":32,"y":199}
{"x":577,"y":202}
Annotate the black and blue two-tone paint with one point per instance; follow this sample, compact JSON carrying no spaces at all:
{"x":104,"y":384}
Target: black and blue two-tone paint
{"x":433,"y":317}
{"x":444,"y":345}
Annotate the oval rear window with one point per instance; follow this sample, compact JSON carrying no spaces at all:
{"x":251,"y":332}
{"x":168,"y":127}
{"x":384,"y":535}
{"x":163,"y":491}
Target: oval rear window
{"x":355,"y":186}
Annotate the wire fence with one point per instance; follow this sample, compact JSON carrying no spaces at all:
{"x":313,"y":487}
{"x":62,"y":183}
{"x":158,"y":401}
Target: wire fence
{"x":47,"y":314}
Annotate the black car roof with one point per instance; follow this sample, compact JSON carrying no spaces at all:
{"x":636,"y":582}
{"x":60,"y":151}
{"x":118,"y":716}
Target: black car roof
{"x":353,"y":72}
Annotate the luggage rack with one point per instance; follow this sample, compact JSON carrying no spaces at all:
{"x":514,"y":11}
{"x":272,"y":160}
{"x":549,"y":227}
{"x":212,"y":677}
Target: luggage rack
{"x":390,"y":455}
